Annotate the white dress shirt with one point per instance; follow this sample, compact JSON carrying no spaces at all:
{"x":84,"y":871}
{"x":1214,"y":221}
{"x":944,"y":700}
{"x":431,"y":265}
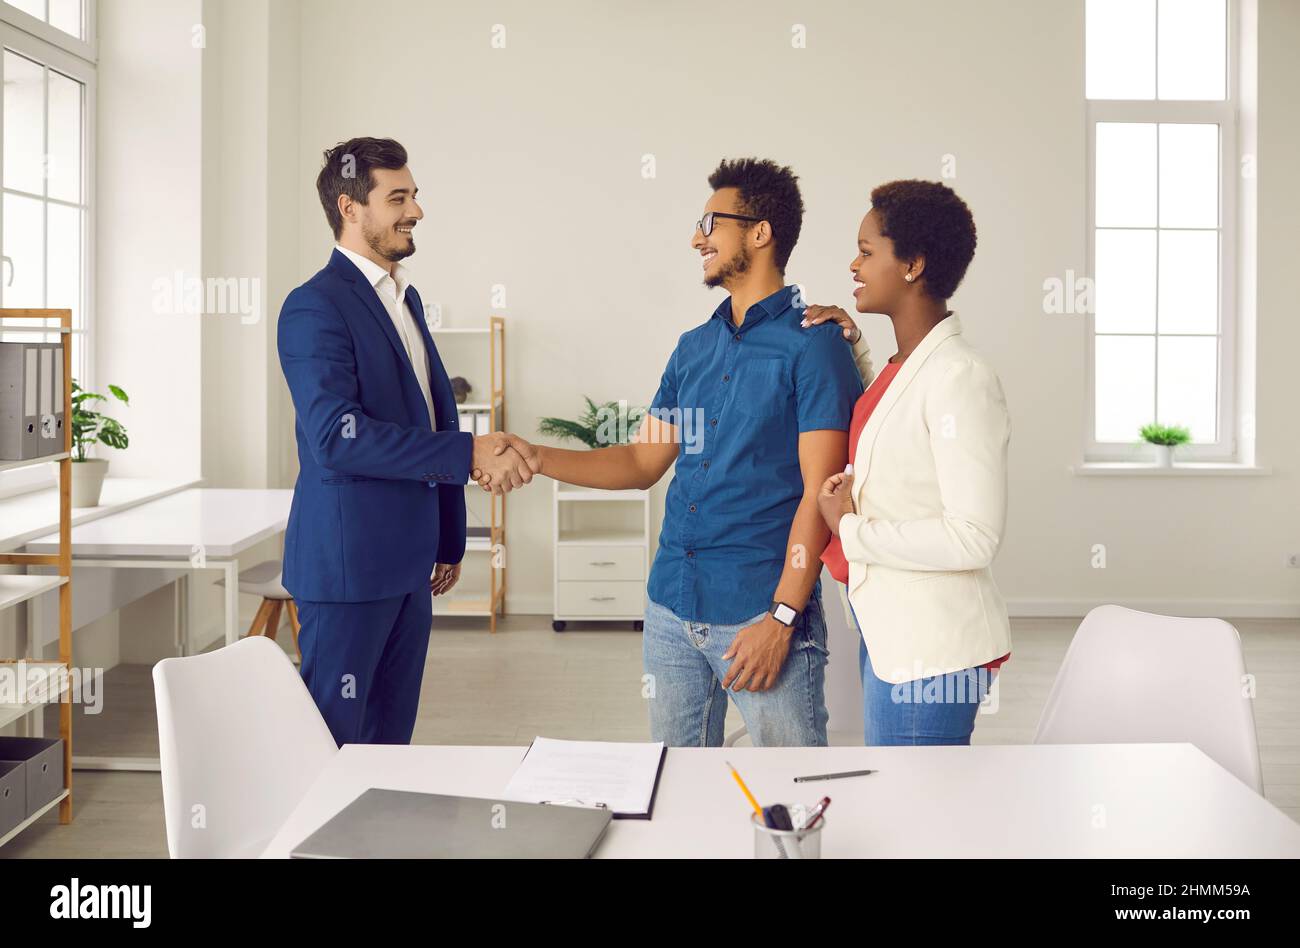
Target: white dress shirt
{"x":391,"y":290}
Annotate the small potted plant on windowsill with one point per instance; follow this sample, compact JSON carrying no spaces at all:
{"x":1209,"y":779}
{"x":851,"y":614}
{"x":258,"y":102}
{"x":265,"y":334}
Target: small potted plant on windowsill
{"x":91,"y":427}
{"x":1165,"y":438}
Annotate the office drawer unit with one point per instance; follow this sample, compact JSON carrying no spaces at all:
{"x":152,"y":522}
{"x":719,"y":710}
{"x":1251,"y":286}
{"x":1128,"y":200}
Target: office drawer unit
{"x":602,"y":555}
{"x":41,"y":759}
{"x":598,"y":600}
{"x":600,"y":563}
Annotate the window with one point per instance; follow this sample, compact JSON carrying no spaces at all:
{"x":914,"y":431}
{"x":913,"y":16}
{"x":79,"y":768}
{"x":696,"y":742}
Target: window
{"x":46,"y":149}
{"x":1162,"y":171}
{"x":68,"y":24}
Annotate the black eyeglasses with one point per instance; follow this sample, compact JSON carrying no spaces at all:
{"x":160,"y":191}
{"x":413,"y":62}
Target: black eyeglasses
{"x":705,"y":224}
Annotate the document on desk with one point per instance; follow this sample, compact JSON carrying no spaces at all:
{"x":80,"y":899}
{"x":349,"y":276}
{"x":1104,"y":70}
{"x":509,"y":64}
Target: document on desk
{"x":622,"y":776}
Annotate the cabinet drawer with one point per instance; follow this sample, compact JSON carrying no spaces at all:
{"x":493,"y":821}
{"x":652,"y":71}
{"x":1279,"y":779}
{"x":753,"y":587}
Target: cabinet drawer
{"x":600,"y":599}
{"x":623,"y":563}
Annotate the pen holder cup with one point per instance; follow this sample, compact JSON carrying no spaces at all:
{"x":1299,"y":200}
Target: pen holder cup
{"x":786,"y":844}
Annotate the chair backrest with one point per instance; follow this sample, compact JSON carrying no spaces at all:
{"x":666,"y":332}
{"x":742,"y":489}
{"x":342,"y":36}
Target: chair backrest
{"x":1131,"y":677}
{"x":240,"y":740}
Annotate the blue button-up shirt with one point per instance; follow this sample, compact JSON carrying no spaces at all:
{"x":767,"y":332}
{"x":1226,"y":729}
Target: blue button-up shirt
{"x":740,"y":396}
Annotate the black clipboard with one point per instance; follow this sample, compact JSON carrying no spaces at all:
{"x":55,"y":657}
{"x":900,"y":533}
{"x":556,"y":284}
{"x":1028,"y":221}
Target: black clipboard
{"x":654,"y":791}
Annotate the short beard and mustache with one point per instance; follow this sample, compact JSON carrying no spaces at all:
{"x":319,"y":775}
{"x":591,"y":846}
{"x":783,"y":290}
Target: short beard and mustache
{"x":375,"y":241}
{"x":731,"y":269}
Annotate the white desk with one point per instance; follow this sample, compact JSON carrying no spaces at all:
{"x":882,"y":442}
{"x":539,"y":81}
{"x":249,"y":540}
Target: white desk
{"x":1090,"y":800}
{"x":199,"y":528}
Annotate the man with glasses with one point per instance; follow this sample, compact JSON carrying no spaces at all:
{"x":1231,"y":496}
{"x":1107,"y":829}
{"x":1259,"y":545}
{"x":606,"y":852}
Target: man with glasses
{"x":754,"y":409}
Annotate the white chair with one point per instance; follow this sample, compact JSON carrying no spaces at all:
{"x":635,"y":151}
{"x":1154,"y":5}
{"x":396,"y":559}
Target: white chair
{"x":843,"y":678}
{"x":264,"y":580}
{"x":240,"y":740}
{"x":1131,"y":677}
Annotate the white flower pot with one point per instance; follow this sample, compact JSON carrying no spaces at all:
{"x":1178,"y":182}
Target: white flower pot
{"x":87,"y":481}
{"x":1164,"y":455}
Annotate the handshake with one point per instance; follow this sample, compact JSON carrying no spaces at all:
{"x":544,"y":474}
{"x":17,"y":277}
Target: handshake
{"x":503,"y":462}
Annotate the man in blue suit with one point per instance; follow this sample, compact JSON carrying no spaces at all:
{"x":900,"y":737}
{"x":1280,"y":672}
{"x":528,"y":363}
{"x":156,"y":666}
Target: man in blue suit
{"x":378,"y":517}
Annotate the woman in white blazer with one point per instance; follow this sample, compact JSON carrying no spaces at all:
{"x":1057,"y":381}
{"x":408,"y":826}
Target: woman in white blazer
{"x":920,"y":517}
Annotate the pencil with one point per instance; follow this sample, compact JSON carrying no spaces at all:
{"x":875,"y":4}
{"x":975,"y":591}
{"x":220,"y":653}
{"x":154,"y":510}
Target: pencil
{"x":744,"y":789}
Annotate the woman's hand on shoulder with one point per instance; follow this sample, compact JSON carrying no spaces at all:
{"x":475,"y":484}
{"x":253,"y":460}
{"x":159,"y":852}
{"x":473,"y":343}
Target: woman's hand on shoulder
{"x":816,"y":315}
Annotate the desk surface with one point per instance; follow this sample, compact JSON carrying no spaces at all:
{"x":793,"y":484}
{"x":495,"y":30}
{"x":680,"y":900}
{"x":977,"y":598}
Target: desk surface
{"x":1087,"y":800}
{"x":223,"y":521}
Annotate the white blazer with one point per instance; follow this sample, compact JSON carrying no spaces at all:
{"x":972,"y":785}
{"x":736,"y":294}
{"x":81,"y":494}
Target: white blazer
{"x":930,"y":495}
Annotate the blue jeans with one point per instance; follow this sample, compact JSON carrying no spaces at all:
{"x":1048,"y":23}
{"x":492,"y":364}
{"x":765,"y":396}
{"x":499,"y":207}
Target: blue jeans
{"x":688,"y":707}
{"x":940,"y":709}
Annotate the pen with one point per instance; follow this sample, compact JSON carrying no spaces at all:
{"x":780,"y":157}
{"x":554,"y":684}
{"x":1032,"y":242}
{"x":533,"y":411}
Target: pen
{"x":817,"y":812}
{"x":847,"y":773}
{"x":745,"y":790}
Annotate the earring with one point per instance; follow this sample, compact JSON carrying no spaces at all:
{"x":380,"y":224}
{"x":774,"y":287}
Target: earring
{"x":908,"y":278}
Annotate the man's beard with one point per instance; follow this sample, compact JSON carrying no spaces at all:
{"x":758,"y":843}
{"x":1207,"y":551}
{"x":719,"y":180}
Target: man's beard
{"x":375,"y":240}
{"x":731,"y":269}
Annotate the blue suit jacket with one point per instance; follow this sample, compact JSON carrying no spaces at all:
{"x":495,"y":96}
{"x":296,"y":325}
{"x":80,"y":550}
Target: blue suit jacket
{"x":380,"y":497}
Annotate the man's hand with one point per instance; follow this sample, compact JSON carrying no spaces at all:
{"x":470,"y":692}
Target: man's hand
{"x":836,"y":499}
{"x":816,"y":315}
{"x":444,"y":577}
{"x":759,"y":651}
{"x":499,"y":466}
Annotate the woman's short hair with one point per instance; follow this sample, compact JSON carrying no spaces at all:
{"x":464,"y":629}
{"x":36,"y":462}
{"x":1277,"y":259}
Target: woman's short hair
{"x":925,"y":218}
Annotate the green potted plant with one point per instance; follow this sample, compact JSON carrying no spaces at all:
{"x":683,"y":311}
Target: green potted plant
{"x":599,"y":426}
{"x":1165,"y":438}
{"x":91,"y":427}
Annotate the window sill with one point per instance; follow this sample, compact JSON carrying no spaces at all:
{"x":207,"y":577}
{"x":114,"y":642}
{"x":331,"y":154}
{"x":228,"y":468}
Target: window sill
{"x":1187,"y":469}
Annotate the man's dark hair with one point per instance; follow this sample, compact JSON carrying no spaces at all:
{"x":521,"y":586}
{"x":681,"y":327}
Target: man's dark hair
{"x":925,"y":218}
{"x":769,"y":192}
{"x":347,"y":170}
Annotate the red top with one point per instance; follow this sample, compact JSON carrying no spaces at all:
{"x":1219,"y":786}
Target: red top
{"x":833,"y":555}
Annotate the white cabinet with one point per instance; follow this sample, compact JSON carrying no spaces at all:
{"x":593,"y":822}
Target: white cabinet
{"x":602,"y":554}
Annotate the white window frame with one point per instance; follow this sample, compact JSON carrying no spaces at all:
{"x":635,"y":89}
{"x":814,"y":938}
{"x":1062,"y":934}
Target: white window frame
{"x":83,"y":48}
{"x":60,"y":51}
{"x":1223,"y":113}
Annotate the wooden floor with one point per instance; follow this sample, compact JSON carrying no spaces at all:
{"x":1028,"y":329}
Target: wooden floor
{"x":586,"y":683}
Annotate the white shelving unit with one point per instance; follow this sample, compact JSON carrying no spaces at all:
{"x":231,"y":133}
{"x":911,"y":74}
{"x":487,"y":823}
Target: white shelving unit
{"x":493,"y":604}
{"x":17,"y":590}
{"x":600,"y":570}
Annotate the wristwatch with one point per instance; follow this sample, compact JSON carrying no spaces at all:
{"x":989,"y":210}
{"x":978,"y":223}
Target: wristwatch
{"x":784,"y":614}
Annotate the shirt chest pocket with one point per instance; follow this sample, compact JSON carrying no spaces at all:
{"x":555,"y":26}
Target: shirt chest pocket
{"x":762,"y":388}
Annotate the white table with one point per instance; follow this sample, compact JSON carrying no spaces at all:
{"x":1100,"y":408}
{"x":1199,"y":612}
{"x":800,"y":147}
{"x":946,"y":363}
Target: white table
{"x":201,"y":528}
{"x":1088,"y":800}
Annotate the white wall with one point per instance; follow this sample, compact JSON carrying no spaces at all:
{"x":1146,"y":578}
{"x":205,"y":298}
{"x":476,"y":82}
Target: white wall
{"x":235,"y":169}
{"x":148,"y":227}
{"x":529,"y":160}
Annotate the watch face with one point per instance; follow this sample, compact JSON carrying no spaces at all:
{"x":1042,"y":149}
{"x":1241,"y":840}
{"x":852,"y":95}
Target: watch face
{"x":784,"y":614}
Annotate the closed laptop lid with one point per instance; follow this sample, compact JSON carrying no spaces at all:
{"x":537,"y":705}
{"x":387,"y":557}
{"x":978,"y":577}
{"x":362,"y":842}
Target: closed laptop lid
{"x":398,"y":824}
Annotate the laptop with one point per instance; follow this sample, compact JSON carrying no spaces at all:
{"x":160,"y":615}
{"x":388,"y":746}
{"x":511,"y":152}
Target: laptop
{"x":397,"y":824}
